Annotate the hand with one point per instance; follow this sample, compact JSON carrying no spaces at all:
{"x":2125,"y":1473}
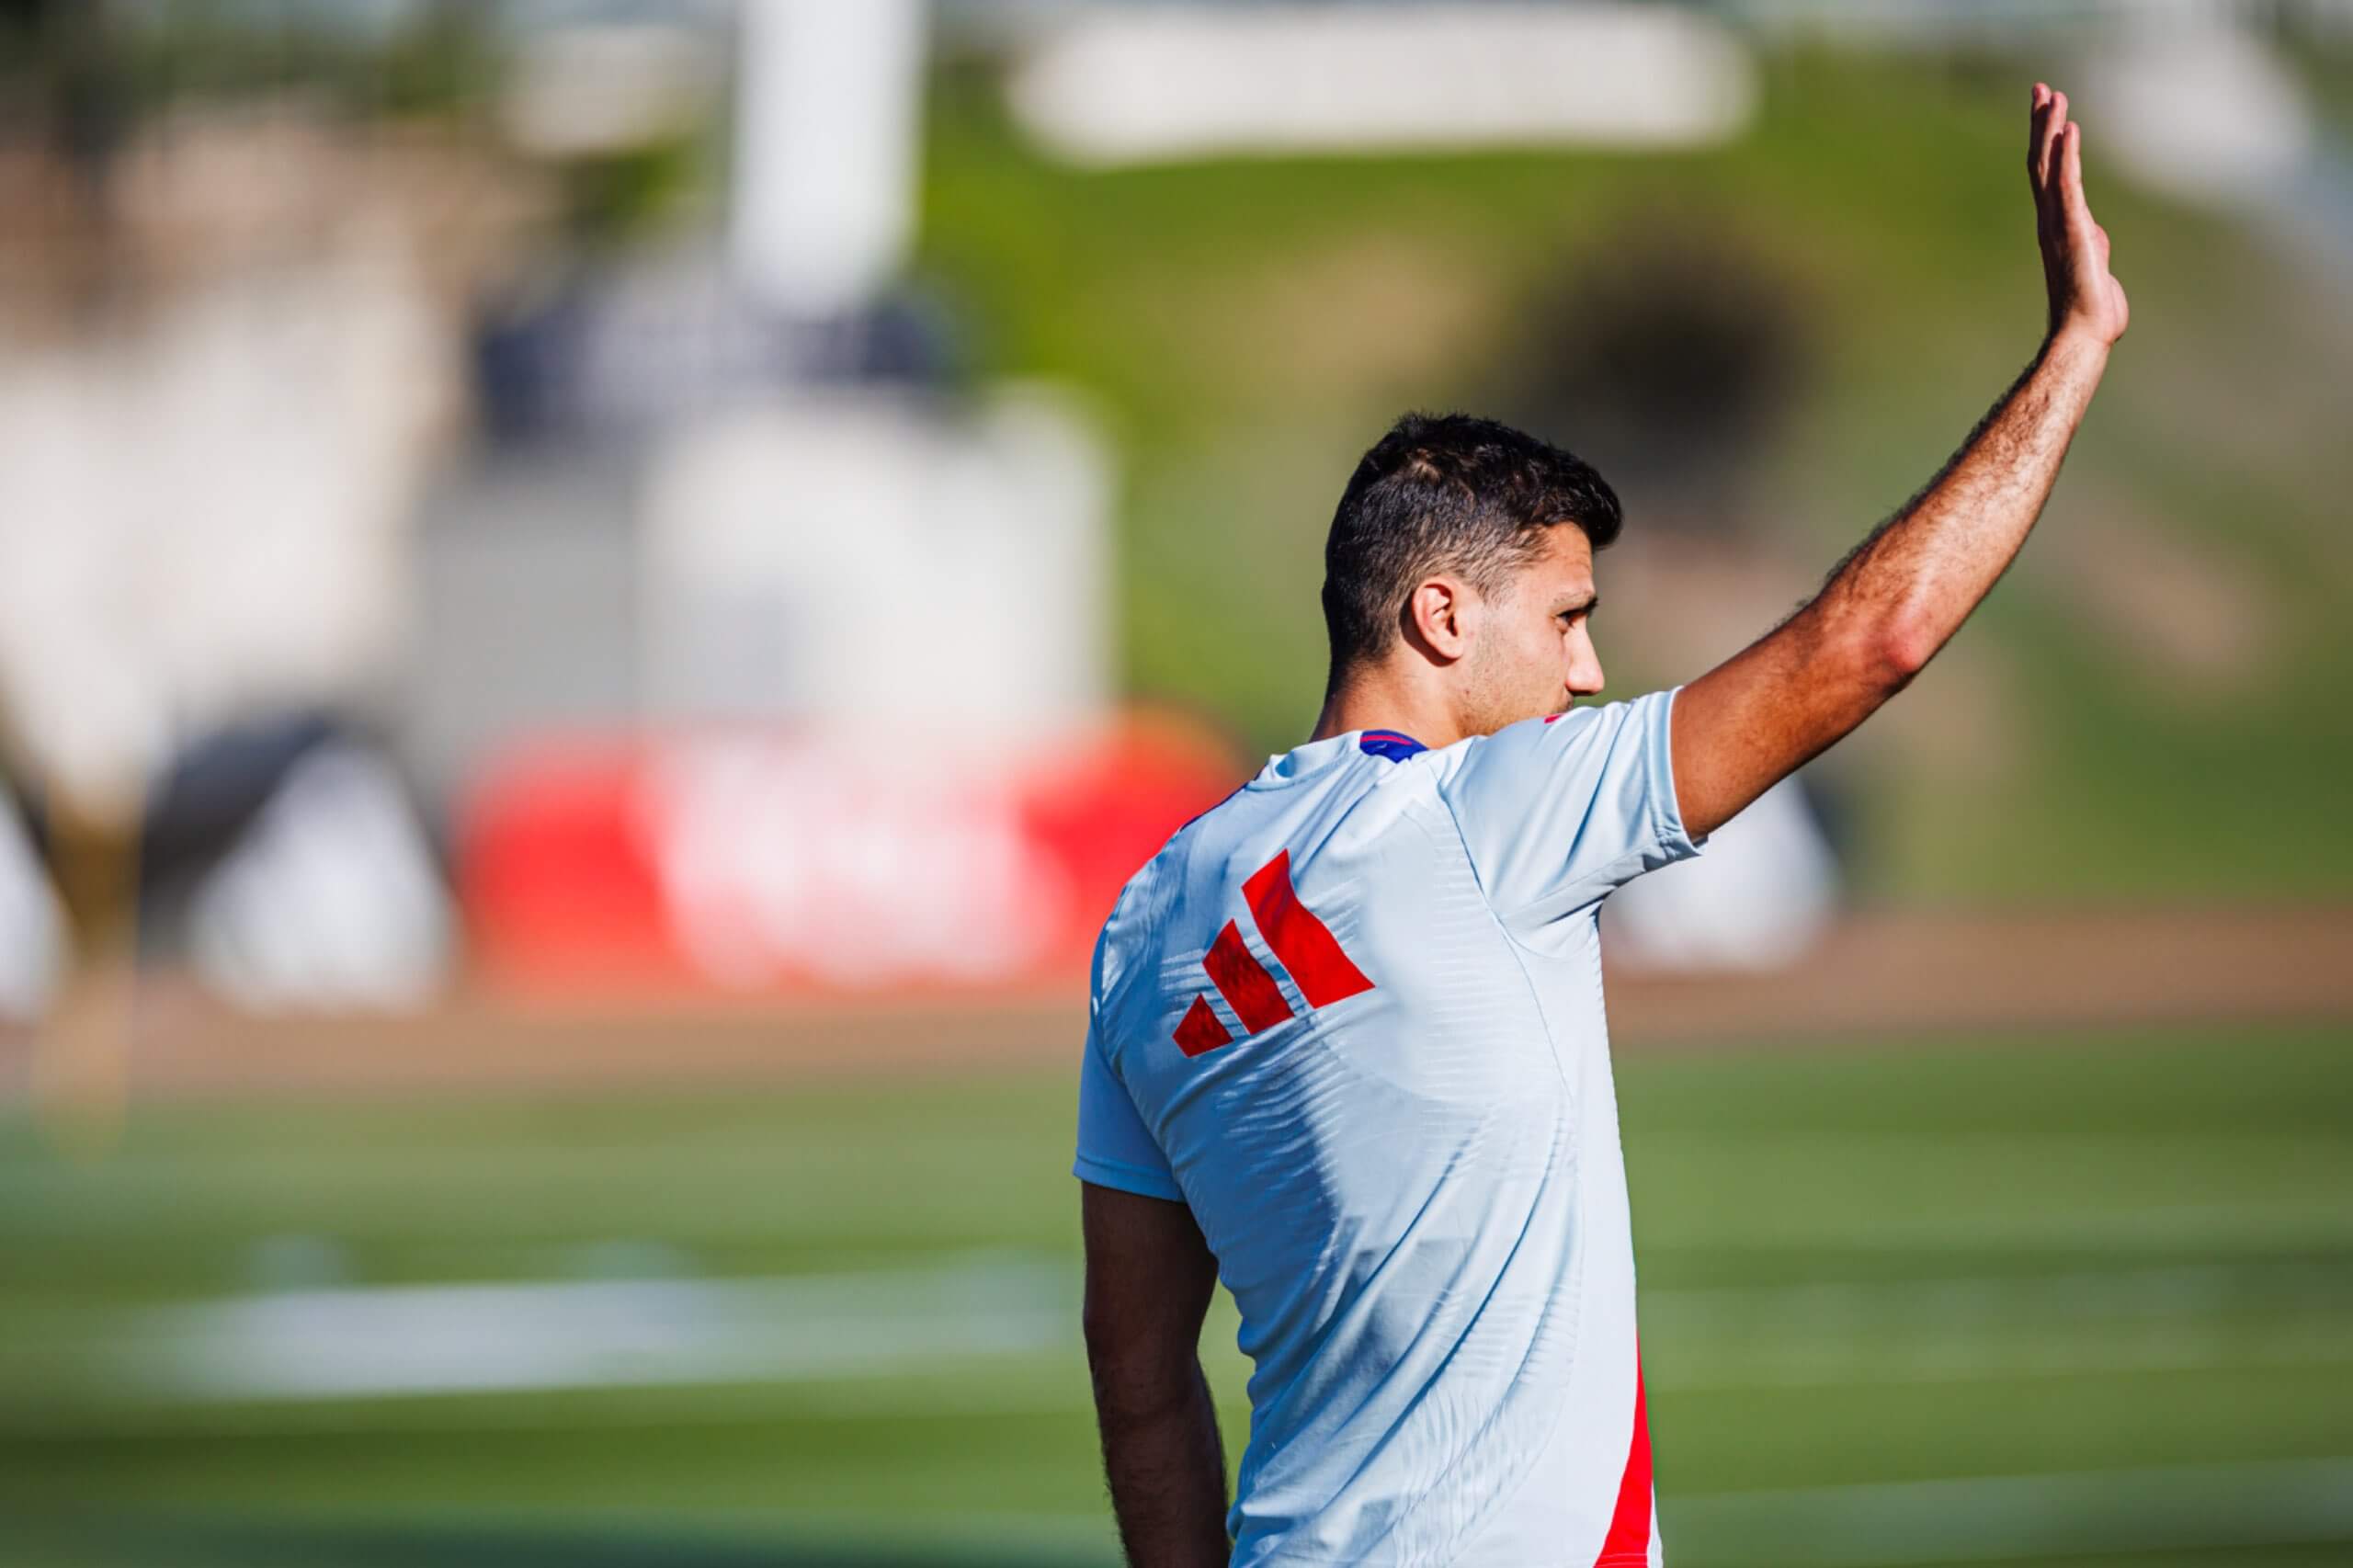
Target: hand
{"x":2084,"y":297}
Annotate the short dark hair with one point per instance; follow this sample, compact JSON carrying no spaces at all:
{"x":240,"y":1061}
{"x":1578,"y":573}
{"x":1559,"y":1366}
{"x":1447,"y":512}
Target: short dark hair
{"x":1447,"y":493}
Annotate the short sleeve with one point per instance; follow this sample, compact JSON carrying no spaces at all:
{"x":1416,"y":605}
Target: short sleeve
{"x":1558,"y":812}
{"x":1115,"y":1148}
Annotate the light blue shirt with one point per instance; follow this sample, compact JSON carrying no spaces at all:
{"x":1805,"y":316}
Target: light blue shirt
{"x":1353,"y":1018}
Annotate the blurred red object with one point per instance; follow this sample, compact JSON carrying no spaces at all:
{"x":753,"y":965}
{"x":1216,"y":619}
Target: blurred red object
{"x":784,"y":863}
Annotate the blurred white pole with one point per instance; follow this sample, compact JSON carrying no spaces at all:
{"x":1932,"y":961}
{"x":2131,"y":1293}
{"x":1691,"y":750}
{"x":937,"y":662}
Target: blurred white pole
{"x":830,"y":107}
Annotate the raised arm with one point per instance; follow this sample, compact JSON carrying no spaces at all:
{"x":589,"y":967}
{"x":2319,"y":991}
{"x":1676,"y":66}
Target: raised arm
{"x":1899,"y":595}
{"x":1149,"y":1278}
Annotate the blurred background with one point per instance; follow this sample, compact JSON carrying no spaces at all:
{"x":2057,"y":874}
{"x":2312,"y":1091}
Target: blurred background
{"x":597,"y":596}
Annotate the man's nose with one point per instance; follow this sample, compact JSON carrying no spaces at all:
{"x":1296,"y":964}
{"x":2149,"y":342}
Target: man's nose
{"x":1584,"y":675}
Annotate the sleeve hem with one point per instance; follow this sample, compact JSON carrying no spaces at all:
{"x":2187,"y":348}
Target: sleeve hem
{"x":1666,"y":811}
{"x":1143,"y":1183}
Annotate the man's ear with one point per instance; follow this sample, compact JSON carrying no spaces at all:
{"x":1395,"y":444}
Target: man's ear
{"x":1441,"y":616}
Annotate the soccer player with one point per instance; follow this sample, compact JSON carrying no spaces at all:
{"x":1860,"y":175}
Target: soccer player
{"x":1346,"y":1046}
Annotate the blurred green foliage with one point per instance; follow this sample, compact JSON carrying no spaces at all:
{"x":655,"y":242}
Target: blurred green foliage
{"x":2164,"y":670}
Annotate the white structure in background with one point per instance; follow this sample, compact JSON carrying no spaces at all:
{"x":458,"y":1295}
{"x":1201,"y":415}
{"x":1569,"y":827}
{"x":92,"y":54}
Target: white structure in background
{"x":182,"y":543}
{"x":331,"y":899}
{"x":32,"y":927}
{"x":853,"y":559}
{"x":856,"y":556}
{"x":2202,"y":108}
{"x":773,"y":512}
{"x":1763,"y":890}
{"x":1169,"y":83}
{"x":829,"y":117}
{"x":202,"y":519}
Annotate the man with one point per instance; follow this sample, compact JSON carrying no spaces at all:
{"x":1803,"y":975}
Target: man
{"x":1346,"y":1044}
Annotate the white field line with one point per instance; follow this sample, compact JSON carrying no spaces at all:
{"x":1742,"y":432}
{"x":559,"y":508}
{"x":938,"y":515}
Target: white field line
{"x":991,"y":1310}
{"x":443,"y":1339}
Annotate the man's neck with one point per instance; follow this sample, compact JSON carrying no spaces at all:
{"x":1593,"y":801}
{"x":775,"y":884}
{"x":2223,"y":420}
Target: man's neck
{"x":1377,"y":700}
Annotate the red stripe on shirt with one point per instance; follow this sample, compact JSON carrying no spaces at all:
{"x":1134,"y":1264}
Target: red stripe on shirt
{"x":1629,"y":1540}
{"x":1244,"y":982}
{"x":1200,"y":1030}
{"x":1304,"y":944}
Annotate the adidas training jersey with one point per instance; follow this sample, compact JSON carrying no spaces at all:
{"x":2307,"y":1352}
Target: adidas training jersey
{"x":1352,"y":1017}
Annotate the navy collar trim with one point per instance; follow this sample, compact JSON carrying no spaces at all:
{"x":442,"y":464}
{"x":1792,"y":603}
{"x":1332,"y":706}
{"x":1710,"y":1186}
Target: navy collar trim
{"x":1389,"y":743}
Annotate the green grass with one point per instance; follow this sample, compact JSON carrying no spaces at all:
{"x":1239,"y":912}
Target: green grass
{"x":2125,"y":1256}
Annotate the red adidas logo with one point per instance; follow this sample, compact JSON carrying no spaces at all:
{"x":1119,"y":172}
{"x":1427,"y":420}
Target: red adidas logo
{"x":1302,"y":943}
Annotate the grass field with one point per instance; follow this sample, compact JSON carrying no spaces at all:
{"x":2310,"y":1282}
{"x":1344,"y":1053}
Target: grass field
{"x":2024,"y":1300}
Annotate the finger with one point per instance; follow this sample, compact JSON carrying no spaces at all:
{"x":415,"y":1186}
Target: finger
{"x":2054,"y":125}
{"x":2071,"y":175}
{"x":2034,"y":119}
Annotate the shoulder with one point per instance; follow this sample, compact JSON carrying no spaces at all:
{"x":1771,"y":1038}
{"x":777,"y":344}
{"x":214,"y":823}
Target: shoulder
{"x":1596,"y":727}
{"x":1131,"y":928}
{"x":1481,"y":756}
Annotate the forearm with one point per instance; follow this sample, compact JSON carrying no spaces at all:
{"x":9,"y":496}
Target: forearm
{"x":1899,"y":595}
{"x":1906,"y":588}
{"x":1165,"y":1463}
{"x":1888,"y":606}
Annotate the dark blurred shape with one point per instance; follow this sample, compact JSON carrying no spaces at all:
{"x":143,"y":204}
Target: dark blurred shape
{"x":207,"y":801}
{"x":87,"y":105}
{"x":61,"y":81}
{"x":1669,"y":362}
{"x":636,"y":347}
{"x":230,"y":848}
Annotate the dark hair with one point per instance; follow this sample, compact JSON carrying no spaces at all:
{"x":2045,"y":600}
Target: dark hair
{"x":1447,"y":493}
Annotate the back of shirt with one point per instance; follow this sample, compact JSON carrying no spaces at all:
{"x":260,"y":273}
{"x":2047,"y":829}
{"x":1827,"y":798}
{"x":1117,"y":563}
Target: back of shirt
{"x":1352,"y":1017}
